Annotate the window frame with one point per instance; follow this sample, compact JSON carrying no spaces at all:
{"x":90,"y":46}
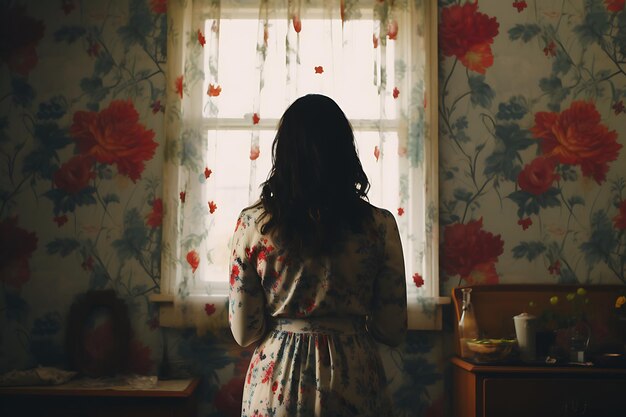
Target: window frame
{"x":218,"y":292}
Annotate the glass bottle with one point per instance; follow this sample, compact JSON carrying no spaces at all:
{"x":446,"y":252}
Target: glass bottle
{"x":468,"y":327}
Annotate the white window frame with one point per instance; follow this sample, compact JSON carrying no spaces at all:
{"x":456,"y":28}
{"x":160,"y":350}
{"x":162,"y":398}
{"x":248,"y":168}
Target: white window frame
{"x":217,"y":293}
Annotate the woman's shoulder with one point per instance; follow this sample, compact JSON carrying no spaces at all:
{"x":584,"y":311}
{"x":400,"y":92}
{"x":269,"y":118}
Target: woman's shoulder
{"x":381,"y":215}
{"x":250,"y":216}
{"x":252,"y":212}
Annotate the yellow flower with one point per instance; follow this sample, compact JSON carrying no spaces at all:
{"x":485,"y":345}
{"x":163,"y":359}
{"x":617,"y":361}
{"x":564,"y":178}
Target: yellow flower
{"x":570,"y":296}
{"x":554,"y":300}
{"x":581,"y":291}
{"x":621,"y":300}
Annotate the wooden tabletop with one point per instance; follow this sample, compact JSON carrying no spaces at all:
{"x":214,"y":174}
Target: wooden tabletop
{"x":522,"y":368}
{"x":76,"y":388}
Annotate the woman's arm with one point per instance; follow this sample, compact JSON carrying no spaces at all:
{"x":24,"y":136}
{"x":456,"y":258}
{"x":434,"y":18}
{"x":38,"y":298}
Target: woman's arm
{"x":246,"y":312}
{"x":388,"y":321}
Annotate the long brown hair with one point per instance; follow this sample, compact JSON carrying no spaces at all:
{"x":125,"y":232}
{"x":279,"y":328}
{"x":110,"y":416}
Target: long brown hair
{"x":316,"y":188}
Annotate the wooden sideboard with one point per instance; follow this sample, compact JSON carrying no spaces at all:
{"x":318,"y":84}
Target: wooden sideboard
{"x":515,"y":388}
{"x":170,"y":398}
{"x":537,"y":391}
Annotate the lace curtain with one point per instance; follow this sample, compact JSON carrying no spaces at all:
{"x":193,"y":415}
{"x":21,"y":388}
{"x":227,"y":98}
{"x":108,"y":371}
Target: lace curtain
{"x":199,"y":120}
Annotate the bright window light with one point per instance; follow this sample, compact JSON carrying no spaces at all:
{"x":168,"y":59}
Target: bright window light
{"x":349,"y":74}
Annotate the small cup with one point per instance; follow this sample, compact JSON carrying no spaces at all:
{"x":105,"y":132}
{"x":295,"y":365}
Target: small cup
{"x":525,"y":331}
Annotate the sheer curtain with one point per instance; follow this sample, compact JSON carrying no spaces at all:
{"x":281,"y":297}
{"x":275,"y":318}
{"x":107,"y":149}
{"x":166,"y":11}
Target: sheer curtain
{"x":373,"y":57}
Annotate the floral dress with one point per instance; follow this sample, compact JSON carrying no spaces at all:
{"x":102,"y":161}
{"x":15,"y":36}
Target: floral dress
{"x":316,"y":320}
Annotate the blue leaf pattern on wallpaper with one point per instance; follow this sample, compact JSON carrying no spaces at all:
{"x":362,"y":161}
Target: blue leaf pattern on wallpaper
{"x":595,"y":23}
{"x":550,"y":148}
{"x":47,"y":325}
{"x":22,"y":92}
{"x":481,"y":93}
{"x":515,"y":109}
{"x":69,"y":34}
{"x":525,"y":32}
{"x":74,"y":154}
{"x":62,"y":246}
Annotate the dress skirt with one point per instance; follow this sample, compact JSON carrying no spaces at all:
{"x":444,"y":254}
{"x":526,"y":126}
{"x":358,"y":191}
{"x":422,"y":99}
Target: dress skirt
{"x":316,"y":367}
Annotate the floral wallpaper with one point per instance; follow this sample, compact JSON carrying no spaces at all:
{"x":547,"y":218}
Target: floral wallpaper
{"x":532,"y":121}
{"x":532,"y":184}
{"x":79,"y":210}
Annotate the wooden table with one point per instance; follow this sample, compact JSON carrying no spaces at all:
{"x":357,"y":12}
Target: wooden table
{"x":537,"y":391}
{"x":170,"y":398}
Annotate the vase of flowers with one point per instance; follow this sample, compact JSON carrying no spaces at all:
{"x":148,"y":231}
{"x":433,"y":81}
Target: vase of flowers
{"x":565,"y":332}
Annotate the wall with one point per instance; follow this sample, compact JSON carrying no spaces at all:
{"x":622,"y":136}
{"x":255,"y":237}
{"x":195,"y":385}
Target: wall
{"x":532,"y":173}
{"x":532,"y":120}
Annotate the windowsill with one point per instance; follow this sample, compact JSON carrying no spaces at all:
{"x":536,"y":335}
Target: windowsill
{"x":211,"y":311}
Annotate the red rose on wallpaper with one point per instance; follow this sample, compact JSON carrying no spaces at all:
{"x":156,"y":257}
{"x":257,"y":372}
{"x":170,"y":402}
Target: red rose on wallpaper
{"x":115,"y":136}
{"x":21,"y":34}
{"x":60,"y":220}
{"x":229,"y":397}
{"x":468,"y":248}
{"x":620,"y":220}
{"x":16,"y":248}
{"x":88,"y":264}
{"x":555,"y":268}
{"x":525,"y":222}
{"x":614,"y":5}
{"x":520,"y":5}
{"x":576,"y":137}
{"x":155,"y":218}
{"x":158,"y":6}
{"x":74,"y":175}
{"x":478,"y":58}
{"x":467,"y":34}
{"x":484,"y":273}
{"x":67,"y":6}
{"x":550,"y":49}
{"x":538,"y":176}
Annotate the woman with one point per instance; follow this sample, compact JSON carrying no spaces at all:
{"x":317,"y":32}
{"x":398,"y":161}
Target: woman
{"x":317,"y":275}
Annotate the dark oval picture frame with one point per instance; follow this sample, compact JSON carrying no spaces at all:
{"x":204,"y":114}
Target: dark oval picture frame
{"x":81,"y":314}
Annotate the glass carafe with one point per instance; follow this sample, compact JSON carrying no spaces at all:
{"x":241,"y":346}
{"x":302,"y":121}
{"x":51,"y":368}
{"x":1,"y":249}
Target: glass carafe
{"x":468,"y":327}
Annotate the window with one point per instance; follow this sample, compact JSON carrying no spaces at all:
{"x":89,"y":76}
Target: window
{"x":230,"y":134}
{"x":241,"y":66}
